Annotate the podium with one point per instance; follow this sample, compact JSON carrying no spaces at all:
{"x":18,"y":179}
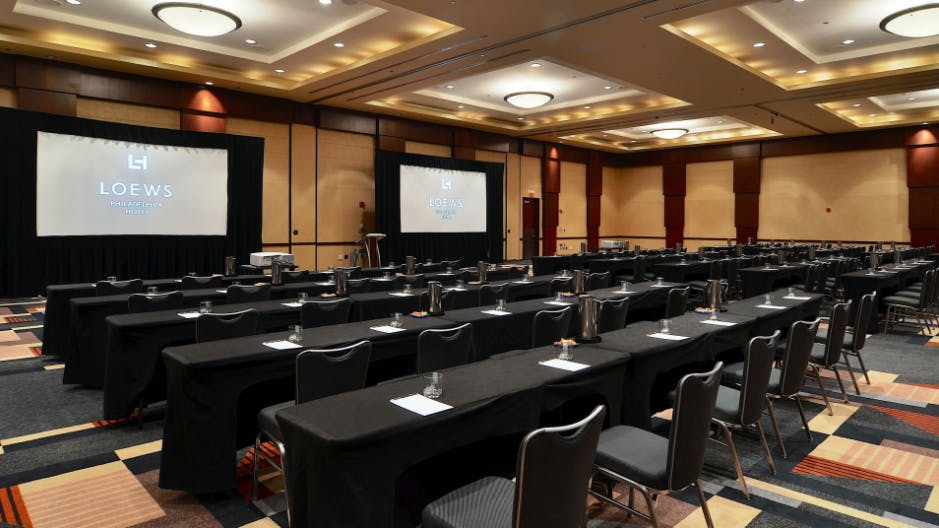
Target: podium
{"x":372,"y":253}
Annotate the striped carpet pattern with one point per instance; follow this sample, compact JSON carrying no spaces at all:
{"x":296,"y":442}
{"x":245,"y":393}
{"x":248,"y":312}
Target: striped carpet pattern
{"x":873,"y":462}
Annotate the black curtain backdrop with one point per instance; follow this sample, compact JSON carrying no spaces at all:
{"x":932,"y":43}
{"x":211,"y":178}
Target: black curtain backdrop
{"x":28,"y":263}
{"x":469,"y":247}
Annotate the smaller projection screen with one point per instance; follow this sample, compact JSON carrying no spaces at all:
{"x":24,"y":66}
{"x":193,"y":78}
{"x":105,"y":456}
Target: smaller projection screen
{"x":89,"y":186}
{"x":436,"y":200}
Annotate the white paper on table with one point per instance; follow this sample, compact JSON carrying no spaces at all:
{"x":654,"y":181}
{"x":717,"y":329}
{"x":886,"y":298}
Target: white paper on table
{"x":281,"y":345}
{"x":454,"y":289}
{"x":563,"y":364}
{"x":420,"y":404}
{"x":669,"y":337}
{"x":496,"y":312}
{"x":660,"y":285}
{"x":293,"y":304}
{"x":558,"y":303}
{"x":769,"y":269}
{"x":177,"y":280}
{"x":718,"y":322}
{"x":771,"y":307}
{"x":623,"y":291}
{"x":797,"y":298}
{"x":521,"y":282}
{"x":388,"y":329}
{"x":381,"y":279}
{"x":401,"y":294}
{"x":189,"y":315}
{"x":324,"y":283}
{"x":887,"y":271}
{"x":221,"y":291}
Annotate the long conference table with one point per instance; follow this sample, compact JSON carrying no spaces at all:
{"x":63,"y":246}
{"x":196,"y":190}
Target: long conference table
{"x":346,"y":452}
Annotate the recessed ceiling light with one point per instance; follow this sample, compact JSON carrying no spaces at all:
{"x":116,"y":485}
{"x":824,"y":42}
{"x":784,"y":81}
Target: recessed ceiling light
{"x":871,"y":115}
{"x":856,"y":105}
{"x":847,"y":42}
{"x":74,"y":2}
{"x":450,"y":87}
{"x":278,"y":70}
{"x":251,"y":41}
{"x":633,"y":141}
{"x":915,"y":22}
{"x":519,"y":118}
{"x":210,"y":83}
{"x":528,"y":99}
{"x":670,"y":133}
{"x":150,"y":45}
{"x":910,"y":98}
{"x":326,"y":2}
{"x":802,"y":71}
{"x":608,"y":87}
{"x":587,"y":107}
{"x":799,"y":1}
{"x":536,"y":65}
{"x":196,"y":19}
{"x":759,"y":44}
{"x":339,"y":44}
{"x":461,"y":106}
{"x":925,"y":123}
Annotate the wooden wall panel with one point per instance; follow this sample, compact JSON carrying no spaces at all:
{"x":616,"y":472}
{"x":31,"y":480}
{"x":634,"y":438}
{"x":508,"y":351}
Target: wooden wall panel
{"x":130,"y":114}
{"x":922,"y":166}
{"x":202,"y":122}
{"x":333,"y":255}
{"x":572,"y":201}
{"x":275,"y":225}
{"x":709,"y":202}
{"x":747,"y":211}
{"x":632,"y":204}
{"x":747,"y":175}
{"x":128,"y":89}
{"x":347,"y":121}
{"x":45,"y":101}
{"x":427,"y":149}
{"x":530,"y":178}
{"x":345,"y":178}
{"x":48,"y":76}
{"x":8,"y":97}
{"x":513,"y":206}
{"x":924,"y":208}
{"x":303,"y":194}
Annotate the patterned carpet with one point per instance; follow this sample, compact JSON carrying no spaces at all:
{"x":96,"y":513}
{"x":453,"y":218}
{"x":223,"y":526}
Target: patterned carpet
{"x":874,"y":463}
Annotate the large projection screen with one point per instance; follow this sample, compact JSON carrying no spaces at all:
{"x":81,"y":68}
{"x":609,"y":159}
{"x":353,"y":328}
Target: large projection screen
{"x":435,"y":200}
{"x":88,"y":186}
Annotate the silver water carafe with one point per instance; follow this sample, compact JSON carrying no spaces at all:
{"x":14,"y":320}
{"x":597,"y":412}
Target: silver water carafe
{"x":580,"y":281}
{"x":715,"y":293}
{"x":811,"y":252}
{"x":341,"y":277}
{"x":481,"y":268}
{"x":898,"y":256}
{"x":277,"y":271}
{"x":782,"y":257}
{"x":410,"y":265}
{"x":435,"y":298}
{"x":589,"y":310}
{"x":875,"y":261}
{"x":229,"y":266}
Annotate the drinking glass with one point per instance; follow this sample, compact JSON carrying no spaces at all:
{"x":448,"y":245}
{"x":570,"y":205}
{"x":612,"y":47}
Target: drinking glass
{"x":624,"y":286}
{"x":303,"y":297}
{"x":407,"y":288}
{"x":386,"y":275}
{"x":566,"y":353}
{"x":790,"y":292}
{"x":500,"y":305}
{"x":433,"y":387}
{"x":151,"y":290}
{"x":459,"y":284}
{"x":397,"y":320}
{"x":767,"y":299}
{"x":557,"y":297}
{"x":660,"y":281}
{"x":664,"y":326}
{"x":112,"y":278}
{"x":296,"y":334}
{"x":205,"y":307}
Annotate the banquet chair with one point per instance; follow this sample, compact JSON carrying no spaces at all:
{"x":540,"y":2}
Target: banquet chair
{"x":900,"y":307}
{"x":195,"y":283}
{"x":215,"y":326}
{"x":612,"y":314}
{"x":639,"y":268}
{"x":323,"y":313}
{"x":441,"y":348}
{"x":656,"y":465}
{"x":142,"y":302}
{"x":738,"y":409}
{"x":295,"y":276}
{"x":595,"y":281}
{"x":550,"y":489}
{"x":358,"y":286}
{"x":784,"y":382}
{"x":355,"y":272}
{"x":550,"y":326}
{"x":828,"y":354}
{"x":446,"y":264}
{"x":243,"y":294}
{"x":104,"y":287}
{"x":417,"y":280}
{"x":560,"y":285}
{"x":489,"y":294}
{"x":318,"y":373}
{"x":854,"y":340}
{"x":677,"y":302}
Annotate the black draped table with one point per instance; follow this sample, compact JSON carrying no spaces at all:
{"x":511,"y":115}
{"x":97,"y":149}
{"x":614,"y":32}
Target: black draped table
{"x":207,"y":419}
{"x":683,"y":271}
{"x":761,"y":279}
{"x":346,"y":452}
{"x":885,"y":282}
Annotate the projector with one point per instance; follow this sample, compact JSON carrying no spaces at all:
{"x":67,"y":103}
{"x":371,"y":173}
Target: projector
{"x":612,"y":244}
{"x":263,"y":258}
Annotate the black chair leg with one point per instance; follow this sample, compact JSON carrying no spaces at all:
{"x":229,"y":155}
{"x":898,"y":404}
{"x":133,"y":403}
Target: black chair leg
{"x":805,"y":423}
{"x":704,"y":504}
{"x":772,"y":419}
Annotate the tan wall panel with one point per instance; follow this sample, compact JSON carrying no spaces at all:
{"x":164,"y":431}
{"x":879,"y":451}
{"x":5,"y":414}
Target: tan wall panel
{"x":572,"y":202}
{"x":275,"y":225}
{"x":304,"y":256}
{"x":866,"y":191}
{"x":127,"y":113}
{"x":427,"y":149}
{"x":531,"y":177}
{"x":513,"y":207}
{"x":632,"y":203}
{"x":303,"y":184}
{"x":8,"y":97}
{"x":327,"y":256}
{"x":709,"y":202}
{"x":346,"y":176}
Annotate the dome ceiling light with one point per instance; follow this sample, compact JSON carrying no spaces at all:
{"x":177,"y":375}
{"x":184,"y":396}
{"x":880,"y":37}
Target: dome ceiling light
{"x":196,"y":19}
{"x":915,"y":22}
{"x":669,"y":133}
{"x":528,"y":99}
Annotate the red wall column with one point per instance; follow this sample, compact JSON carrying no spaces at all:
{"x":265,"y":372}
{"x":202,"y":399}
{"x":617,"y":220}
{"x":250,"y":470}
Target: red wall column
{"x":747,"y":175}
{"x":922,"y":177}
{"x":550,"y":200}
{"x":673,"y":187}
{"x":594,"y":191}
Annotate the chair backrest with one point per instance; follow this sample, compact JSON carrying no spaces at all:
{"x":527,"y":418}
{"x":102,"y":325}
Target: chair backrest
{"x":715,"y":270}
{"x":194,"y":283}
{"x":639,"y":269}
{"x":550,"y":326}
{"x":358,"y":286}
{"x":355,"y":272}
{"x":811,"y":278}
{"x":691,"y":422}
{"x":417,"y":280}
{"x":836,"y":328}
{"x":322,"y":313}
{"x":296,"y":276}
{"x":214,"y":326}
{"x":553,"y":472}
{"x":823,"y":270}
{"x":596,"y":281}
{"x":864,"y":309}
{"x":141,"y":302}
{"x":444,"y":264}
{"x":796,"y":358}
{"x":926,"y":293}
{"x":612,"y":314}
{"x":104,"y":287}
{"x":324,"y":372}
{"x":561,"y":285}
{"x":241,"y":294}
{"x":677,"y":302}
{"x":757,"y":366}
{"x":438,"y":349}
{"x":489,"y":293}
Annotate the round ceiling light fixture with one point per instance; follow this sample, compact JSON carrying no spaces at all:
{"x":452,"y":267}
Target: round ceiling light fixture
{"x":915,"y":22}
{"x":528,"y":99}
{"x":669,"y":133}
{"x":196,"y":19}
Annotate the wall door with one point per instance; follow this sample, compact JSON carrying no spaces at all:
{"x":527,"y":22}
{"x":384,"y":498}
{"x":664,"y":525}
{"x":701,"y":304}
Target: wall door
{"x":531,"y":219}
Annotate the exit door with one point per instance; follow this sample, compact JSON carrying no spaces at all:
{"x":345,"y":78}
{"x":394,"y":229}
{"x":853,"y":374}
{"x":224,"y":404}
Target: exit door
{"x":531,"y":220}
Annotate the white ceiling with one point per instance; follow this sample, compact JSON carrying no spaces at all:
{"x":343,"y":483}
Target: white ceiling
{"x":666,"y":61}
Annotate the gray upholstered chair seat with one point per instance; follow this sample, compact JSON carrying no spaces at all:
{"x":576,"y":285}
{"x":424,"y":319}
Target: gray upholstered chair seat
{"x":818,"y":354}
{"x":902,"y":301}
{"x":485,"y":503}
{"x":636,"y":454}
{"x":267,"y":422}
{"x":727,"y":406}
{"x":822,"y":337}
{"x":732,"y":375}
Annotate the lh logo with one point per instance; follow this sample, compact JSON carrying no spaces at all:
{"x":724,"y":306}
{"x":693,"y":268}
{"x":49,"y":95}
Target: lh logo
{"x":136,"y":163}
{"x":446,"y":183}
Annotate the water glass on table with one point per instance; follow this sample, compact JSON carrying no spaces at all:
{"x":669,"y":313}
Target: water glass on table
{"x":665,"y":326}
{"x":433,"y":385}
{"x":397,"y":320}
{"x":296,"y":334}
{"x":205,"y":307}
{"x":500,"y":305}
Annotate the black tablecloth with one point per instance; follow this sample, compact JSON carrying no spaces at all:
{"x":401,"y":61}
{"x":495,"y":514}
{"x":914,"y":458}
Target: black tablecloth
{"x":886,"y":282}
{"x":347,"y":451}
{"x":683,"y":272}
{"x":805,"y":306}
{"x":760,"y":279}
{"x":206,"y":418}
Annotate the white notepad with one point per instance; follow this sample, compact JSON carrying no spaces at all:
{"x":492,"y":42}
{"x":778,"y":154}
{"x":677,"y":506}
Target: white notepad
{"x":717,"y":322}
{"x":283,"y":344}
{"x":221,"y":291}
{"x":660,"y":285}
{"x":623,"y":291}
{"x":496,"y":312}
{"x":388,"y":329}
{"x":563,"y":364}
{"x":324,"y":283}
{"x":401,"y":294}
{"x":189,"y":315}
{"x":771,"y":307}
{"x":558,"y":303}
{"x":293,"y":304}
{"x":797,"y":298}
{"x":769,"y":269}
{"x":669,"y":337}
{"x":422,"y":405}
{"x":454,"y":289}
{"x":521,"y":282}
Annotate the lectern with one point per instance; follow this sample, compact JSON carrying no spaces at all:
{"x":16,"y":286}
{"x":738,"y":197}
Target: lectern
{"x":372,"y":252}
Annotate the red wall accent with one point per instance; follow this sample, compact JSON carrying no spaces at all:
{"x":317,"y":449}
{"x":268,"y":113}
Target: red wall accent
{"x":550,"y":202}
{"x":201,"y":122}
{"x":747,"y":175}
{"x":673,"y":187}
